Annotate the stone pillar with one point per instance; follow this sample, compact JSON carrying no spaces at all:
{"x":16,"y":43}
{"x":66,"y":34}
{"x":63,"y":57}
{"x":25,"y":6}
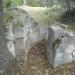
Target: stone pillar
{"x":10,"y":39}
{"x":50,"y":52}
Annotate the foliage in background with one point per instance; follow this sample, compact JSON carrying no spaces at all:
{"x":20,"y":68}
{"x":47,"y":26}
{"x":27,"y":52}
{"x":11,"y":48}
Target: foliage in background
{"x":8,"y":3}
{"x":39,"y":3}
{"x":9,"y":10}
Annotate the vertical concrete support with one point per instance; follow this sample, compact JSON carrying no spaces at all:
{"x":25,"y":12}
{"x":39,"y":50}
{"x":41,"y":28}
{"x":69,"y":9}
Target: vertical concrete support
{"x":50,"y":52}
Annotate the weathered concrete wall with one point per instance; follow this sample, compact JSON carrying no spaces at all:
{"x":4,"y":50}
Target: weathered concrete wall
{"x":5,"y":55}
{"x":23,"y":33}
{"x":63,"y":52}
{"x":40,"y":3}
{"x":28,"y":35}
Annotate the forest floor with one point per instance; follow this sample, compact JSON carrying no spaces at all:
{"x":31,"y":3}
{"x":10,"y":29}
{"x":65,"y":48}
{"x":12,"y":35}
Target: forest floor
{"x":37,"y":63}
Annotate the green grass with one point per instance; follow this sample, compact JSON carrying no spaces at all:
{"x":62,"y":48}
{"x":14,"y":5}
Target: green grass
{"x":69,"y":19}
{"x":72,"y":26}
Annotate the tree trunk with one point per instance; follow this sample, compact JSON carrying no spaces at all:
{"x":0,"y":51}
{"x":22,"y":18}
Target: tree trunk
{"x":68,"y":5}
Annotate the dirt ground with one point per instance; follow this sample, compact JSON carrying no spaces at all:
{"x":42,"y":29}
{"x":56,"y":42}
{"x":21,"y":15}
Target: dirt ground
{"x":37,"y":63}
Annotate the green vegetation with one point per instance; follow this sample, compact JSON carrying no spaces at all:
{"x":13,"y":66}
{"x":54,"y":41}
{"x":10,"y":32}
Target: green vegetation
{"x":9,"y":11}
{"x":8,"y":3}
{"x":32,"y":2}
{"x":56,"y":43}
{"x":44,"y":17}
{"x":68,"y":18}
{"x":72,"y":26}
{"x":40,"y":3}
